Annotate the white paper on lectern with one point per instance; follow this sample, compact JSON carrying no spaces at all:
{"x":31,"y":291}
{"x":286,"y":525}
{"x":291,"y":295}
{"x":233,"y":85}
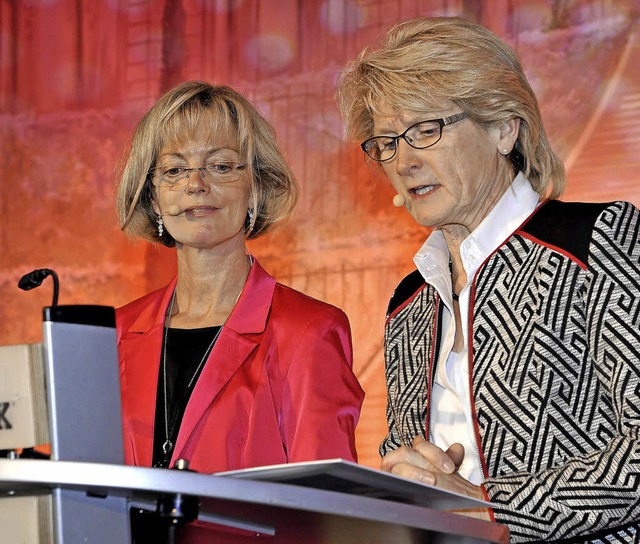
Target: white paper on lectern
{"x":348,"y":477}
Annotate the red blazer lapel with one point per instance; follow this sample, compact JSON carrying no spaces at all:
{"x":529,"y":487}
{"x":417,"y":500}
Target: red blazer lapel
{"x":227,"y":356}
{"x":230,"y":351}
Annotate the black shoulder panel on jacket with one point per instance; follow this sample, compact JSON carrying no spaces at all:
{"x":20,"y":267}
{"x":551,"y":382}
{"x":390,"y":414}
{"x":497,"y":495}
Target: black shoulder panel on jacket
{"x":566,"y":225}
{"x":407,"y":287}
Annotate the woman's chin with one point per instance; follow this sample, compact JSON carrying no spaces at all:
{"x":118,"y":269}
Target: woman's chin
{"x":422,"y":219}
{"x":205,"y":238}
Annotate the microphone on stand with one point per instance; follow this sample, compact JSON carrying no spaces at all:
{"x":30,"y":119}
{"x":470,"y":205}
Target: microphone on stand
{"x":36,"y":277}
{"x":399,"y":200}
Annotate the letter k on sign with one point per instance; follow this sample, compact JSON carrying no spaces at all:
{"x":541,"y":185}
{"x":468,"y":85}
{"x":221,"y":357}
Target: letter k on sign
{"x":4,"y":422}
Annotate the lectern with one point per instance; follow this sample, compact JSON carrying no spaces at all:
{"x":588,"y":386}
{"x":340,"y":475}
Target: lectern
{"x":240,"y":511}
{"x":84,"y":494}
{"x":78,"y":360}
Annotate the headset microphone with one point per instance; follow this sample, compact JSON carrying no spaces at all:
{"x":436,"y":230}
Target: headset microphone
{"x":399,"y":200}
{"x":173,"y":210}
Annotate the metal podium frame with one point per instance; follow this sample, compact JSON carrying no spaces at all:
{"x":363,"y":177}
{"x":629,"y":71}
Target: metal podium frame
{"x":270,"y":512}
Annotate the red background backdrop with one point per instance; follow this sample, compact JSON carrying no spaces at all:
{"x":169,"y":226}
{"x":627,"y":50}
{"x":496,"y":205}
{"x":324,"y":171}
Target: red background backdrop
{"x":76,"y":75}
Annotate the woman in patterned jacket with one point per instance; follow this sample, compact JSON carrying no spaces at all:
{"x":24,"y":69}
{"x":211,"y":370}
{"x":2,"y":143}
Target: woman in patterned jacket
{"x":513,"y":351}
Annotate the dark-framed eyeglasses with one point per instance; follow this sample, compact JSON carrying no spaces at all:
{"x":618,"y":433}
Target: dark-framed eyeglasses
{"x":419,"y":136}
{"x":175,"y":177}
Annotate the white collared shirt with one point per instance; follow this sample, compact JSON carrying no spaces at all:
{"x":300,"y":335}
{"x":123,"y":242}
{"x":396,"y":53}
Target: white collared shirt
{"x":450,"y":415}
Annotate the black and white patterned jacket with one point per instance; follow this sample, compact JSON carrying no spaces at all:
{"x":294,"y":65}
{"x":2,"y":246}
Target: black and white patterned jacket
{"x":554,"y":371}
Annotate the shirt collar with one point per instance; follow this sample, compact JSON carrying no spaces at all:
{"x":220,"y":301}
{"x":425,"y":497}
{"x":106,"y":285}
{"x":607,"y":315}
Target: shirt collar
{"x":514,"y":206}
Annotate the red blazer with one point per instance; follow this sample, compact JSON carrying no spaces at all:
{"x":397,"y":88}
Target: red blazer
{"x":278,"y":386}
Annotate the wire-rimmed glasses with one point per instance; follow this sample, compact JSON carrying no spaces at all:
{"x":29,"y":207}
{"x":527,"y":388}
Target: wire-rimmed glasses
{"x":419,"y":136}
{"x":219,"y":172}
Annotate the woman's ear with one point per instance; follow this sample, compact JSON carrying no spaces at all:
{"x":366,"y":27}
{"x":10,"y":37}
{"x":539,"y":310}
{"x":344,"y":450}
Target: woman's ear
{"x":508,"y":135}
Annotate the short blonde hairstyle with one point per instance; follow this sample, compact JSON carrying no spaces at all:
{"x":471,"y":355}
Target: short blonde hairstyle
{"x":426,"y":61}
{"x":176,"y":113}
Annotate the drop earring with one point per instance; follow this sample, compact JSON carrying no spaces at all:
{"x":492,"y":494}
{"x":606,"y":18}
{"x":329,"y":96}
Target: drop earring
{"x":250,"y":220}
{"x":160,"y":226}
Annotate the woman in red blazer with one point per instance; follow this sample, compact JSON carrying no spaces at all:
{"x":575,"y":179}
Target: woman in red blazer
{"x":224,"y":367}
{"x":277,"y":386}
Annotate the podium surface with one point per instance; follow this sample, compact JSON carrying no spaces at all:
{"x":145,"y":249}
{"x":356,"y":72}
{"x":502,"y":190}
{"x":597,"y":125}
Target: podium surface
{"x":246,"y":510}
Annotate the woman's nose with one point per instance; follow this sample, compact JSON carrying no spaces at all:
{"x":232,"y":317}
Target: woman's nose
{"x":407,"y":158}
{"x":196,"y":182}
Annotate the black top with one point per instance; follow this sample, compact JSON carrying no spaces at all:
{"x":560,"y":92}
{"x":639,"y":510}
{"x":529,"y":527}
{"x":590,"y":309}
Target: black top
{"x":185,"y":350}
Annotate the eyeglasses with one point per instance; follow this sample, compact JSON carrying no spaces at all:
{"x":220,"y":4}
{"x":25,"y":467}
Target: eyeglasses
{"x":175,"y":177}
{"x":419,"y":136}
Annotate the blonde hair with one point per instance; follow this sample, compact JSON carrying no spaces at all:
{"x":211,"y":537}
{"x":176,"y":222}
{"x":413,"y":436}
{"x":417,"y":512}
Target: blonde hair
{"x":273,"y":184}
{"x":426,"y":61}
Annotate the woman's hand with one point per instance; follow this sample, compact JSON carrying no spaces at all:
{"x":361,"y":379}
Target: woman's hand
{"x":429,"y":464}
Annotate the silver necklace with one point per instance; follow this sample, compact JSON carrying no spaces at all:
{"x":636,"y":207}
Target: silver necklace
{"x":167,"y":446}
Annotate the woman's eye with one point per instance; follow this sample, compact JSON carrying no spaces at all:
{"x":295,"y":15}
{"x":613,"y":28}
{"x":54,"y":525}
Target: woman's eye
{"x":426,"y":131}
{"x":172,"y":171}
{"x":219,"y":168}
{"x":387,"y":144}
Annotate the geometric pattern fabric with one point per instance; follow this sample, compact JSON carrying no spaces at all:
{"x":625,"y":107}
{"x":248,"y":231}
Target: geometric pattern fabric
{"x":555,"y":372}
